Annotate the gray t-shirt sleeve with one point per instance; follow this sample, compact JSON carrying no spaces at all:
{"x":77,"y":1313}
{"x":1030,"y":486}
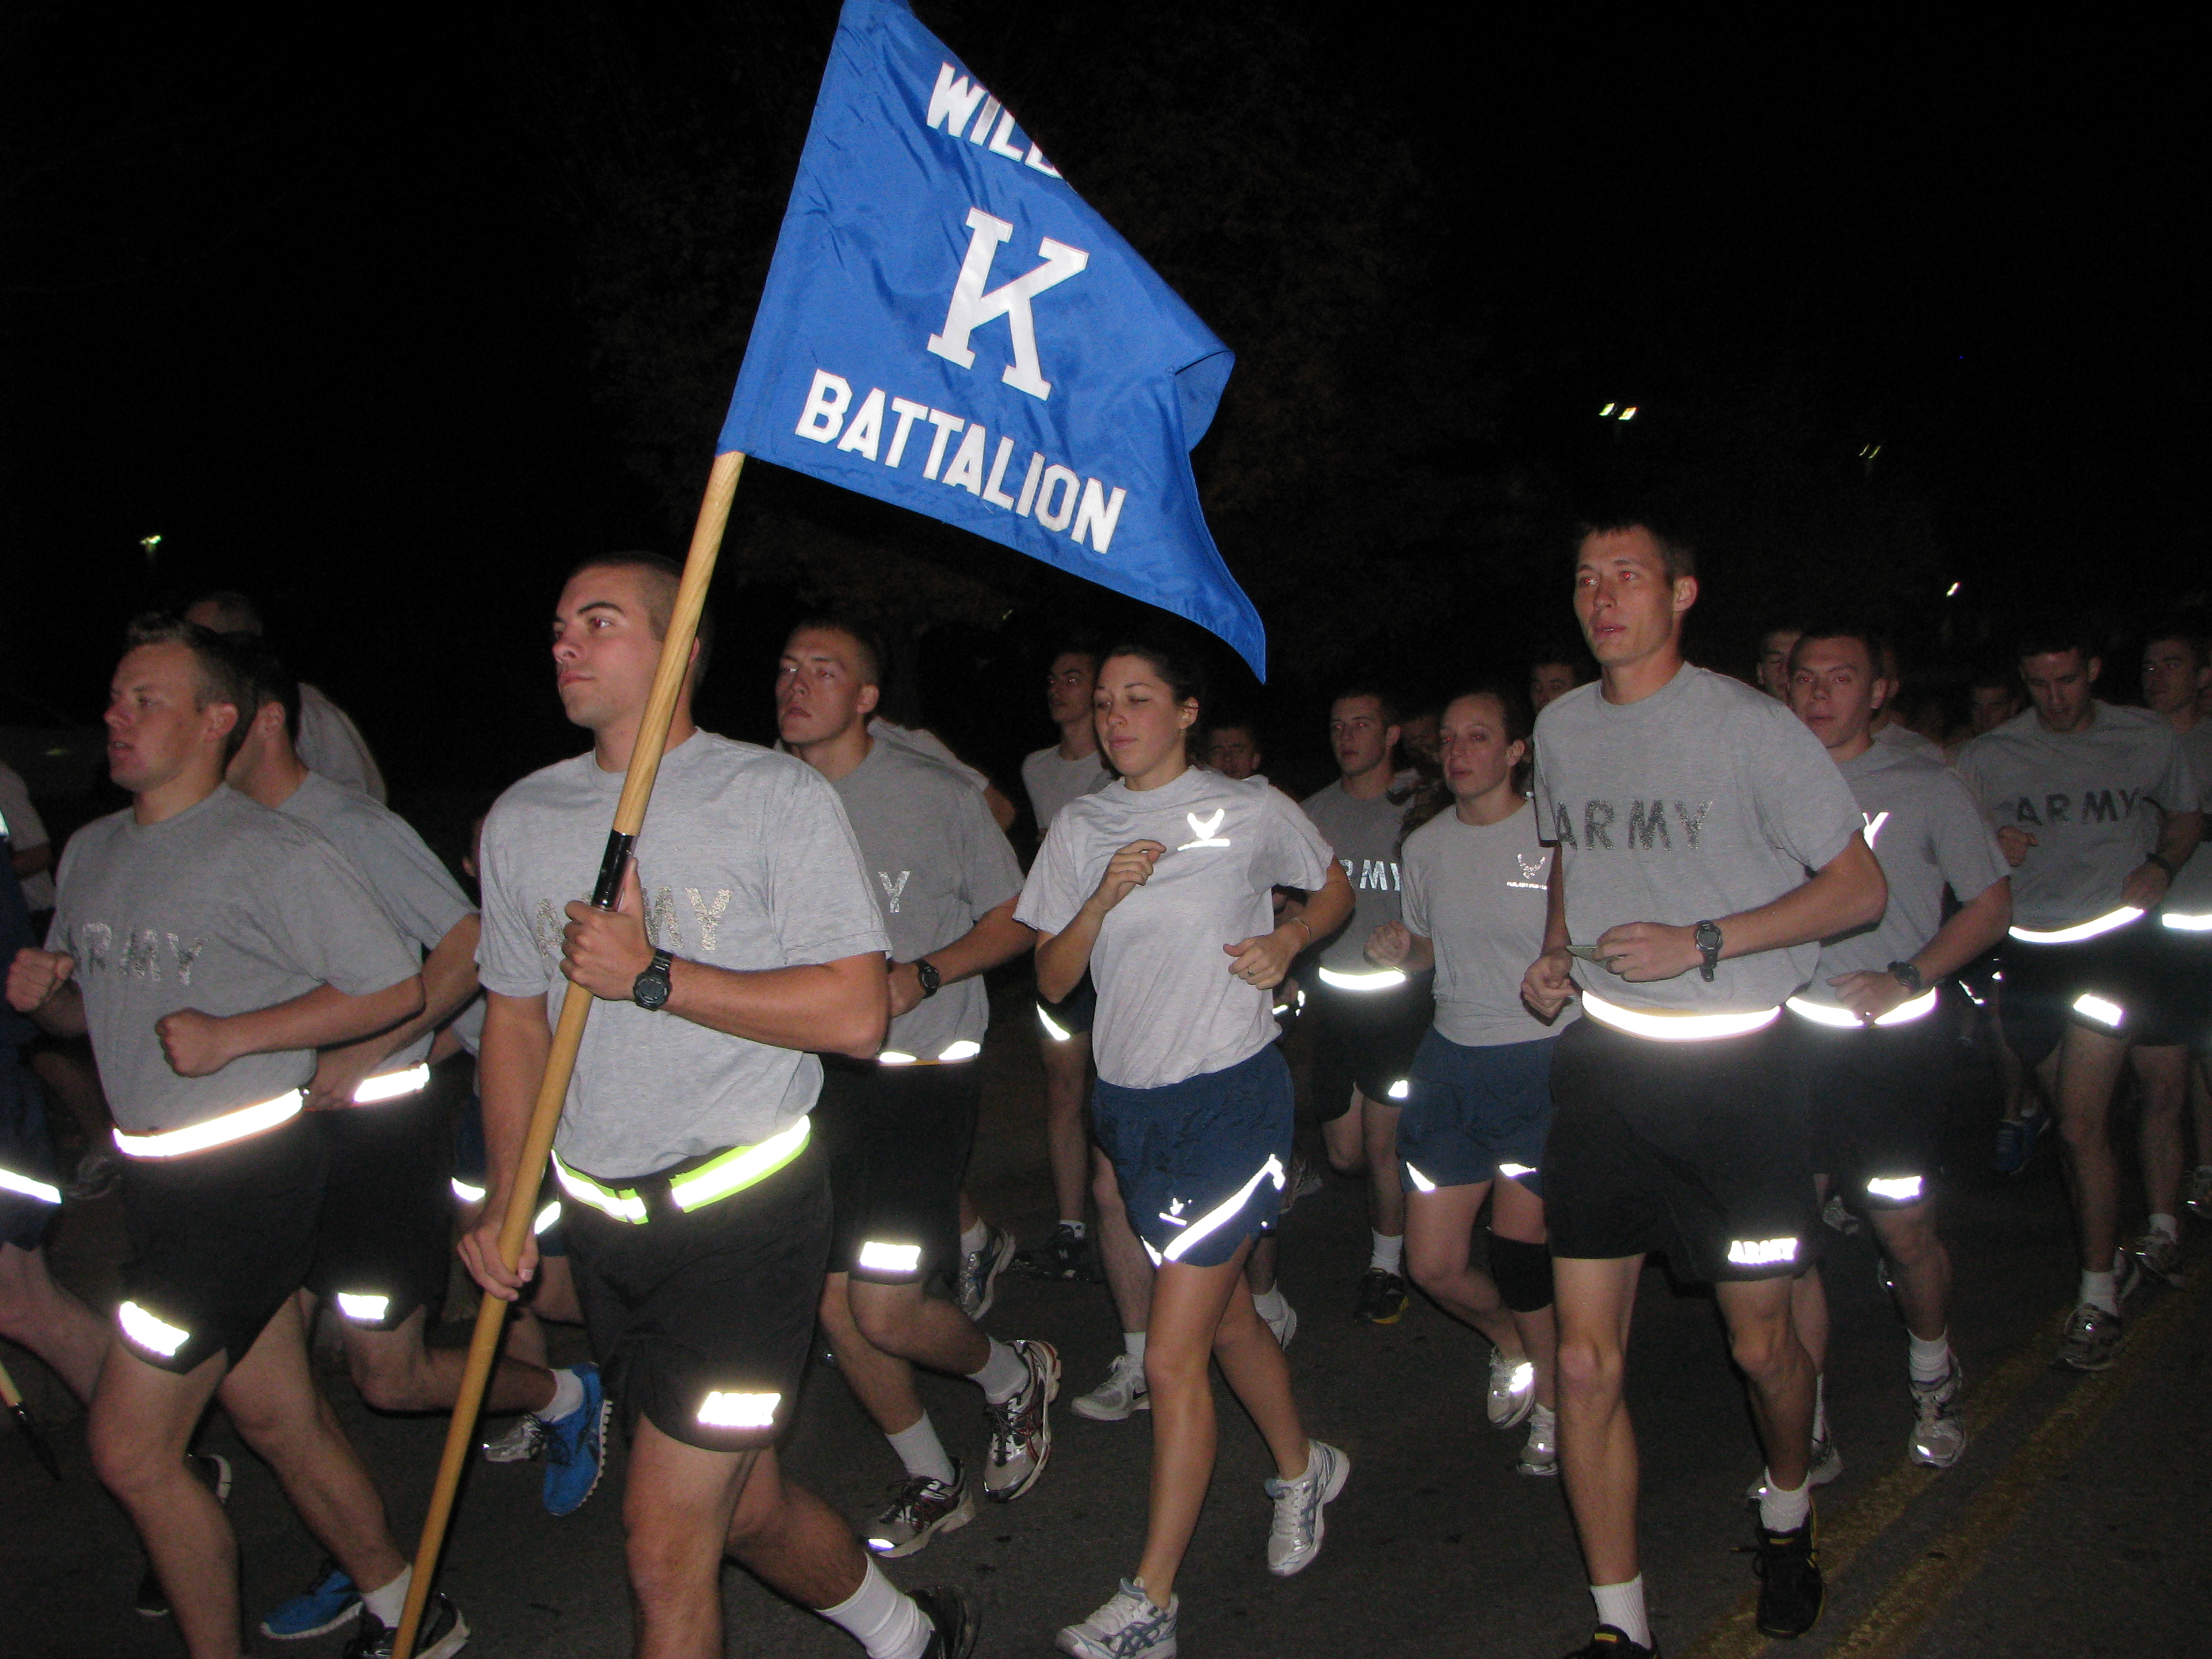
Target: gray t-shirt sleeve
{"x":990,"y":874}
{"x":329,"y":923}
{"x":818,"y":897}
{"x":1965,"y":846}
{"x":2179,"y":789}
{"x":1295,"y":853}
{"x":416,"y":888}
{"x":1415,"y":899}
{"x":508,"y":961}
{"x":1054,"y":892}
{"x":1805,"y":807}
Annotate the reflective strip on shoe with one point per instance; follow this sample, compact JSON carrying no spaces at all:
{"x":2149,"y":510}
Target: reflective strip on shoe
{"x":1676,"y":1028}
{"x":214,"y":1132}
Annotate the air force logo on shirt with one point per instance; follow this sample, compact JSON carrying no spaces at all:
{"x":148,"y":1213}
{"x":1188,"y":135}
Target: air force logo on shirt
{"x":1203,"y":829}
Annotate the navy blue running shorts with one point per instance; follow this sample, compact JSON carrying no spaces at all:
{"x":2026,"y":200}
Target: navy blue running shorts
{"x":1471,"y":1114}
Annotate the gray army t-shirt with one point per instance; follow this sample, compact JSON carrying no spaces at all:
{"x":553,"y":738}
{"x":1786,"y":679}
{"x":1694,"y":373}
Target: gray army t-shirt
{"x":2190,"y":895}
{"x":1481,"y":892}
{"x":413,"y":888}
{"x":2091,"y":798}
{"x":226,"y":908}
{"x":746,"y":862}
{"x":1052,"y":782}
{"x":1168,"y":1007}
{"x":1363,"y":834}
{"x":938,"y":864}
{"x":1703,"y":800}
{"x":1928,"y":832}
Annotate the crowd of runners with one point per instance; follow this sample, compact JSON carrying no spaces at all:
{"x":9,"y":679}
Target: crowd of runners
{"x":1611,"y":957}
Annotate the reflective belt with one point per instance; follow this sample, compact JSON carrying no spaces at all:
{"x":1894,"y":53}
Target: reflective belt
{"x":1842,"y":1019}
{"x":391,"y":1085}
{"x":717,"y":1178}
{"x":12,"y":1182}
{"x":1384,"y":979}
{"x":215,"y":1132}
{"x":964,"y":1048}
{"x":1674,"y":1028}
{"x":2182,"y":923}
{"x":2073,"y":935}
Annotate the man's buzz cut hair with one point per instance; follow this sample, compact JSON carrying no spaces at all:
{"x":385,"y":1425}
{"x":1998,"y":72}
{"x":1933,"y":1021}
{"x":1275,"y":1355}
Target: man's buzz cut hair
{"x":2055,"y":635}
{"x":1676,"y":557}
{"x":870,"y":667}
{"x":660,"y":603}
{"x":1842,"y":628}
{"x":222,"y":671}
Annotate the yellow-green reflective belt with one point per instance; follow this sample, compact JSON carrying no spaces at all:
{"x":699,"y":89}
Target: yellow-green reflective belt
{"x":717,"y":1178}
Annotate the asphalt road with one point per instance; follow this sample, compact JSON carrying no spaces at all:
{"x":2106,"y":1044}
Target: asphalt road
{"x":2077,"y":1525}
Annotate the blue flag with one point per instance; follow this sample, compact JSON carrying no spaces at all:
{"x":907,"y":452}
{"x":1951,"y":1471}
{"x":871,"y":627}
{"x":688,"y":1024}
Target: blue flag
{"x":948,"y":326}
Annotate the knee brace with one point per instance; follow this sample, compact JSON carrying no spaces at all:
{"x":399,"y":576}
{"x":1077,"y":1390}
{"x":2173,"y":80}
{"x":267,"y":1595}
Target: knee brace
{"x":1523,"y":1274}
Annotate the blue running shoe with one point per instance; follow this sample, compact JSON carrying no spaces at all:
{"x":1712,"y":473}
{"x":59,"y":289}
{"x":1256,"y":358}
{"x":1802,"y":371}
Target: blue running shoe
{"x":575,"y":1447}
{"x":325,"y":1605}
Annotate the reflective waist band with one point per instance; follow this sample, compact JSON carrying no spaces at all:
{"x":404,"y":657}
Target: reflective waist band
{"x":393,"y":1084}
{"x":215,"y":1132}
{"x":1674,"y":1028}
{"x":2183,"y":923}
{"x":964,"y":1048}
{"x":45,"y":1192}
{"x":1826,"y":1014}
{"x":717,"y":1178}
{"x":1382,"y":979}
{"x":2104,"y":924}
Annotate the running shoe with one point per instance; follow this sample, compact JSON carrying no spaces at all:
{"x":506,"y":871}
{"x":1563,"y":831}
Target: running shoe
{"x":1827,"y":1464}
{"x":921,"y":1508}
{"x":1939,"y":1426}
{"x":1129,"y":1626}
{"x":1382,"y":1296}
{"x":979,"y":1269}
{"x":1021,"y":1428}
{"x":2200,"y":1192}
{"x":1610,"y":1643}
{"x":1303,"y":1181}
{"x":1837,"y":1214}
{"x":952,"y":1623}
{"x":1789,"y":1587}
{"x":1540,"y":1455}
{"x":1294,"y":1539}
{"x":523,"y":1442}
{"x":2160,"y":1255}
{"x":1065,"y":1256}
{"x":152,"y":1601}
{"x":443,"y":1633}
{"x":2016,"y":1142}
{"x":1512,"y":1389}
{"x":1123,"y":1394}
{"x":98,"y":1174}
{"x":2092,"y":1334}
{"x":325,"y":1604}
{"x":575,"y":1447}
{"x":1285,"y":1327}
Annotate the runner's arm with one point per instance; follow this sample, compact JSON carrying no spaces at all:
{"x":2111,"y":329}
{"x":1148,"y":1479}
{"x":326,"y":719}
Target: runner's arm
{"x":1848,"y":892}
{"x":449,"y":980}
{"x":995,"y":938}
{"x":517,"y":1041}
{"x":39,"y":985}
{"x":2178,"y":836}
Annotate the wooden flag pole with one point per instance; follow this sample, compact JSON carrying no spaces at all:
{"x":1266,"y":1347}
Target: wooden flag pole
{"x":569,"y":1030}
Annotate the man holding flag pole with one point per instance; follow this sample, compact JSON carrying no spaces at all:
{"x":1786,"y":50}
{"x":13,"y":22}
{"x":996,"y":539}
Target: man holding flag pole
{"x":949,"y":327}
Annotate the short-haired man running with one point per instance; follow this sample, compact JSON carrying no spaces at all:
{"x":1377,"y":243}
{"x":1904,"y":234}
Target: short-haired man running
{"x":1686,"y":808}
{"x":697,"y":1212}
{"x":1870,"y":1046}
{"x":2097,"y":809}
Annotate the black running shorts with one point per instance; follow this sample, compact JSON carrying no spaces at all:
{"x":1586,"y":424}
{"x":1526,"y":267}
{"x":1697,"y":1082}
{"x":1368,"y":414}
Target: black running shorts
{"x":1874,"y":1098}
{"x":1695,"y":1149}
{"x":2123,"y":983}
{"x":896,"y":1140}
{"x":1365,"y":1040}
{"x":384,"y":1241}
{"x":1072,"y":1015}
{"x":218,"y":1240}
{"x":27,"y":1153}
{"x":701,"y":1321}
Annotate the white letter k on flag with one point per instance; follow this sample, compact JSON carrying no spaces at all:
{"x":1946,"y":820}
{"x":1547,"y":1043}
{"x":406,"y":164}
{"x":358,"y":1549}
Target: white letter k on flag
{"x":972,"y":308}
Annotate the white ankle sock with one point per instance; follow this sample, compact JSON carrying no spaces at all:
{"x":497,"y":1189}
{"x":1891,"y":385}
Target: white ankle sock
{"x":1133,"y":1343}
{"x":922,"y":1452}
{"x":882,"y":1618}
{"x":1005,"y":1374}
{"x":974,"y":1238}
{"x":568,"y":1395}
{"x":1270,"y":1303}
{"x":2101,"y":1290}
{"x":1388,"y":1252}
{"x":2167,"y":1224}
{"x":1075,"y":1229}
{"x":1929,"y":1361}
{"x":1621,"y":1605}
{"x":1784,"y":1511}
{"x":390,"y":1603}
{"x":1820,"y":1406}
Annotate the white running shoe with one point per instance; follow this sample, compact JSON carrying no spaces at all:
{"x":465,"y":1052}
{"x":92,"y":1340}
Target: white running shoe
{"x":1285,"y":1327}
{"x":523,"y":1442}
{"x":1295,"y":1537}
{"x":1540,"y":1455}
{"x":1939,"y":1427}
{"x":1123,"y":1394}
{"x":1512,"y":1389}
{"x":1129,"y":1626}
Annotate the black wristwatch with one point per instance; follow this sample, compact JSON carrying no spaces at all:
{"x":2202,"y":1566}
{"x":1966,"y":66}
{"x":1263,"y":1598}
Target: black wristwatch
{"x":925,"y":971}
{"x":2163,"y":862}
{"x":1708,"y":939}
{"x":649,"y":990}
{"x":1909,"y":976}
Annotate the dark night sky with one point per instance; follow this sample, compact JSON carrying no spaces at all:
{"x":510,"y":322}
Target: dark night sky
{"x":297,"y":299}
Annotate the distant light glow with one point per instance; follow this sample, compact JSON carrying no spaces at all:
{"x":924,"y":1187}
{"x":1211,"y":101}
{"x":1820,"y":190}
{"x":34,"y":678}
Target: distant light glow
{"x":1629,"y":413}
{"x":1606,"y":414}
{"x":1952,"y":591}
